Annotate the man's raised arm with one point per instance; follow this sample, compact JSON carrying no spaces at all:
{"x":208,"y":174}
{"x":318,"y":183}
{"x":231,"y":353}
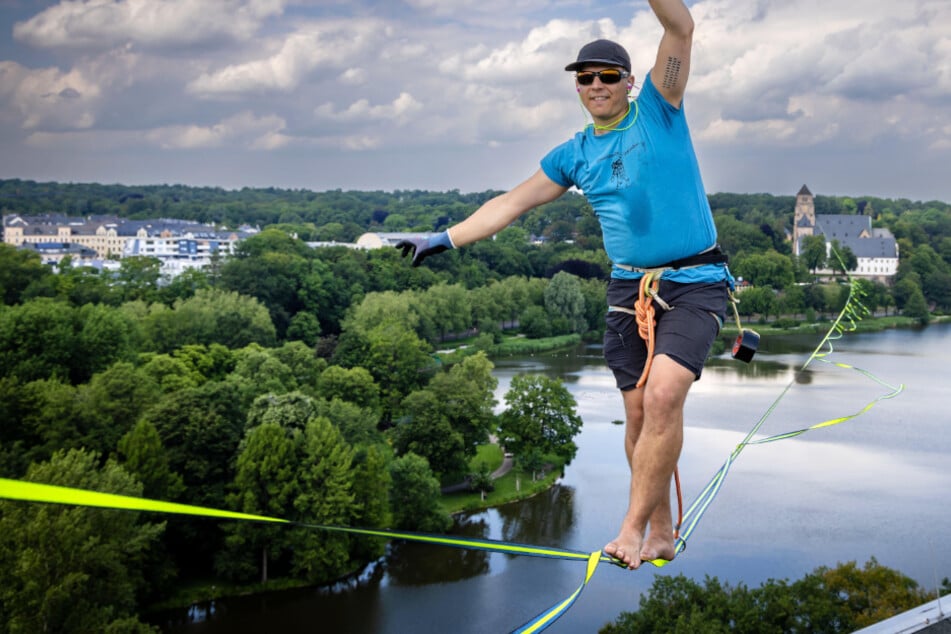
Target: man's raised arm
{"x":673,"y":56}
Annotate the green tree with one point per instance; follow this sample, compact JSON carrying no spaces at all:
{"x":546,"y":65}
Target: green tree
{"x":306,"y":367}
{"x":465,"y":395}
{"x":414,"y":496}
{"x":425,"y":431}
{"x":38,"y":340}
{"x":757,"y":301}
{"x":326,"y":497}
{"x":765,"y":269}
{"x":564,"y":298}
{"x":357,"y":424}
{"x":44,"y":418}
{"x":141,"y":453}
{"x":211,"y":316}
{"x":906,"y":286}
{"x":371,"y":494}
{"x":814,"y":252}
{"x":18,"y":270}
{"x":917,"y":307}
{"x":266,"y":483}
{"x":201,"y":429}
{"x":354,"y":385}
{"x":379,"y":335}
{"x":183,"y":286}
{"x":535,"y":323}
{"x":138,"y":277}
{"x":291,"y":410}
{"x":304,"y":327}
{"x":399,"y":361}
{"x":79,"y":285}
{"x":738,"y":237}
{"x":842,"y":258}
{"x":170,"y":373}
{"x":443,"y":310}
{"x":540,"y":412}
{"x":531,"y":460}
{"x":841,"y":599}
{"x":111,"y":403}
{"x":206,"y":363}
{"x":106,"y":335}
{"x":73,"y":569}
{"x":259,"y":371}
{"x":871,"y":593}
{"x":269,"y":267}
{"x":792,"y":301}
{"x":481,"y":480}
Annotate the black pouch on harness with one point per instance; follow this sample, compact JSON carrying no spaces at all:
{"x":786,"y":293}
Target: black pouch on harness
{"x":745,"y":345}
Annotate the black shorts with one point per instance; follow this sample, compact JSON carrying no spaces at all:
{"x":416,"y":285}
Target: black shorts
{"x":685,"y":332}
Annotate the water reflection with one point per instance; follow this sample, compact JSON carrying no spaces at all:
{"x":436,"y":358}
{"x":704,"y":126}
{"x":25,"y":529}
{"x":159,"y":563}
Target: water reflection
{"x":546,"y":518}
{"x":411,"y":564}
{"x":759,"y":369}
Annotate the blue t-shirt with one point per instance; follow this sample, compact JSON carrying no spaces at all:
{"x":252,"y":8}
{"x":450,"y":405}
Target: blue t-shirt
{"x":644,"y":184}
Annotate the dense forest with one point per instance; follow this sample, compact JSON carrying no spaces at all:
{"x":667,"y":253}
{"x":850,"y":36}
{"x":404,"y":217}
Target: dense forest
{"x":308,"y":383}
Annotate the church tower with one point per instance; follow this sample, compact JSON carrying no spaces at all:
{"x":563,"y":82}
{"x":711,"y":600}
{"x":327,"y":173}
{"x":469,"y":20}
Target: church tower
{"x":804,"y":219}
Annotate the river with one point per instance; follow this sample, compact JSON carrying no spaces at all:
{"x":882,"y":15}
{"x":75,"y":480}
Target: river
{"x":875,"y":486}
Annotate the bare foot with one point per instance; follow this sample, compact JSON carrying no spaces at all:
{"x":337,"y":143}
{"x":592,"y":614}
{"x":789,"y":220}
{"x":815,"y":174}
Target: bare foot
{"x":658,"y":547}
{"x":626,"y":547}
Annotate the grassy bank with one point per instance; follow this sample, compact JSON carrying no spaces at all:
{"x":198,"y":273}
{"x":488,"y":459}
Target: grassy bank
{"x":510,"y":487}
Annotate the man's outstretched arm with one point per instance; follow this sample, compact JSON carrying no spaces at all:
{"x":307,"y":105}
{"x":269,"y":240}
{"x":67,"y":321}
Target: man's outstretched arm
{"x":495,"y":215}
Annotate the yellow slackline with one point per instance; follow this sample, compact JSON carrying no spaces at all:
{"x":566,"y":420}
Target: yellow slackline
{"x":52,"y":494}
{"x":850,"y":314}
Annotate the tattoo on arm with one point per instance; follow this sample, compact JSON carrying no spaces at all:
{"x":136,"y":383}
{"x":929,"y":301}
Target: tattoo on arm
{"x":672,"y":72}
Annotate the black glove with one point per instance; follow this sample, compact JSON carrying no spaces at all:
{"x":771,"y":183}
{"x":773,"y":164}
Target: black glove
{"x":422,"y":248}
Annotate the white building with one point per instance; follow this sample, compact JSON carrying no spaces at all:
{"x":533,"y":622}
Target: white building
{"x":875,"y":249}
{"x":178,"y":253}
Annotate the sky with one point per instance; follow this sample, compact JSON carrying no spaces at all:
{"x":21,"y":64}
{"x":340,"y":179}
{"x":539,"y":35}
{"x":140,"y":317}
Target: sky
{"x":850,"y":97}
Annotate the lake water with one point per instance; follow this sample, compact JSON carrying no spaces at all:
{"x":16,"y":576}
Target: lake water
{"x":876,"y":486}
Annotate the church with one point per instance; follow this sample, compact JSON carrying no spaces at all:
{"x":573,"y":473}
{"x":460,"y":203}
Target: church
{"x":875,"y":249}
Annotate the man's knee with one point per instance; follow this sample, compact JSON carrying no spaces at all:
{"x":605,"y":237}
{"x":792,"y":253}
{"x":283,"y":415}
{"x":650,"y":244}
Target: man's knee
{"x":665,"y":396}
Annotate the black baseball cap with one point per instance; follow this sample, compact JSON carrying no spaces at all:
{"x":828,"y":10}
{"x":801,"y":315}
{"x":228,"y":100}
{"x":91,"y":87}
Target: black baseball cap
{"x":601,"y":52}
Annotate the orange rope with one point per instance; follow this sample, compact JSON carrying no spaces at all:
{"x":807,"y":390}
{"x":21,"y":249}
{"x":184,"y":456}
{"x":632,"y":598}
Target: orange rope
{"x":646,"y":319}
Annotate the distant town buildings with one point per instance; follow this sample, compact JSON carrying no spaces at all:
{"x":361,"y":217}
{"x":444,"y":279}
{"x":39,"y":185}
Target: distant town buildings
{"x":99,"y":240}
{"x":875,"y":249}
{"x":179,"y":245}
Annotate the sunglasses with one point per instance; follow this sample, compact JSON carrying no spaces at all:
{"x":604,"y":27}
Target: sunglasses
{"x":610,"y":76}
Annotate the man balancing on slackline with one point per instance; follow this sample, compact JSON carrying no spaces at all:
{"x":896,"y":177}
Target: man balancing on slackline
{"x":637,"y":168}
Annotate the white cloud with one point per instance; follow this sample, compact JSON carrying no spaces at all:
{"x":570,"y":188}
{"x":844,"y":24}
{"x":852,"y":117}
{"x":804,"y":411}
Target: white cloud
{"x":48,"y":97}
{"x":241,"y":130}
{"x":361,"y":110}
{"x":330,"y":45}
{"x":773,"y":73}
{"x":106,"y":23}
